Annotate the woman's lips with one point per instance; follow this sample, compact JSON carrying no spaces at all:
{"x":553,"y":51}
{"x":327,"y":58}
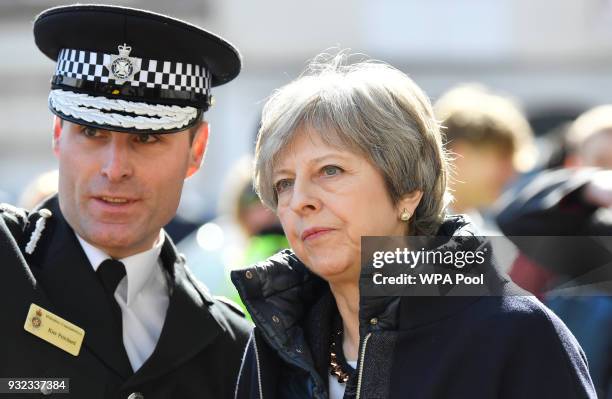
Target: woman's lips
{"x":314,"y":232}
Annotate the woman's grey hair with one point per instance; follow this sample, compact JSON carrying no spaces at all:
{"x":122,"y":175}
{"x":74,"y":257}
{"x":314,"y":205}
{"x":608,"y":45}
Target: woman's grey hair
{"x":369,"y":108}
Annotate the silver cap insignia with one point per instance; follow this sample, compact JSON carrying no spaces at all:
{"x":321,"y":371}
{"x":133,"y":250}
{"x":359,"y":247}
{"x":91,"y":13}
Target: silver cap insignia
{"x":123,"y":67}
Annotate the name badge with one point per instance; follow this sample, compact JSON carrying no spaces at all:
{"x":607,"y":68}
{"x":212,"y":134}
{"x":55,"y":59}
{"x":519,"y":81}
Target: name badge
{"x":55,"y":330}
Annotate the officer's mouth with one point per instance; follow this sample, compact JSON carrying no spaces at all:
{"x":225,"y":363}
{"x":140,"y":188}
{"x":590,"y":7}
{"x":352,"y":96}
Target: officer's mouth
{"x":114,"y":201}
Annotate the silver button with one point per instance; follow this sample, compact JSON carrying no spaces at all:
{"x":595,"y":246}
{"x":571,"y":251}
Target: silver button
{"x":275,"y":319}
{"x":374,"y":321}
{"x":249,"y":274}
{"x":136,"y":395}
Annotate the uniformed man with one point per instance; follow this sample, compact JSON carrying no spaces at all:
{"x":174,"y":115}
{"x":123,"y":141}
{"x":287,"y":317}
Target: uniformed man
{"x":92,"y":289}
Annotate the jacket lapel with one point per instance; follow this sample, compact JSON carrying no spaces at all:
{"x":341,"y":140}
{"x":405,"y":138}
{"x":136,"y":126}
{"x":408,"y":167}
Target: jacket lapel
{"x":73,"y":288}
{"x":191,"y":324}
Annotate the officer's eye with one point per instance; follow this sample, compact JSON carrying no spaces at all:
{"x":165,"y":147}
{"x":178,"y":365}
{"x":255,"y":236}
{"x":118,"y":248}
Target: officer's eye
{"x":146,"y":138}
{"x":89,"y":131}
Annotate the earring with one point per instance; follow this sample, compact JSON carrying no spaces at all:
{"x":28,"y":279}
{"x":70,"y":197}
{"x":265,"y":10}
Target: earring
{"x":405,"y":215}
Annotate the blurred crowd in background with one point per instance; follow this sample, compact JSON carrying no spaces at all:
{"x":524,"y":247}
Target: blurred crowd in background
{"x":520,"y":87}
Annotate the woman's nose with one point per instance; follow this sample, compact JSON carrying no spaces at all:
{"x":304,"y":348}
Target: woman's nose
{"x":304,"y":198}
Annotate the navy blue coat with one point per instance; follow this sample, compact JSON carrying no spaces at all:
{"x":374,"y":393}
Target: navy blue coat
{"x":507,"y":346}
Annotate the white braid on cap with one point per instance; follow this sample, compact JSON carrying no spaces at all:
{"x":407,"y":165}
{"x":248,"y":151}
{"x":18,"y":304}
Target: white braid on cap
{"x":150,"y":116}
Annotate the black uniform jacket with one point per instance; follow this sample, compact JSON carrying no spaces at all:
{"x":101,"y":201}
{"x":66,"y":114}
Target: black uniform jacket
{"x":198,"y":353}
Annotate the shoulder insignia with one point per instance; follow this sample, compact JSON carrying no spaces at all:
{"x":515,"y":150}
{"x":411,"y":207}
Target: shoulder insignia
{"x":16,"y":220}
{"x":17,"y":214}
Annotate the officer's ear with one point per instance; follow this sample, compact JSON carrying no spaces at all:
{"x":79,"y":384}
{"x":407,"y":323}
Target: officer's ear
{"x":198,"y":148}
{"x":57,"y":132}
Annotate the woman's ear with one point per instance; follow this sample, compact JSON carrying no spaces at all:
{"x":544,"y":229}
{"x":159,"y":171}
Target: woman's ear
{"x":409,"y":202}
{"x":57,"y":132}
{"x":198,"y":149}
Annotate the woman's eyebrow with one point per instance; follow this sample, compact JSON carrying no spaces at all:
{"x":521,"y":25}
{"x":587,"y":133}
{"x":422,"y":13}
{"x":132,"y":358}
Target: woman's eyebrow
{"x":311,"y":161}
{"x":328,"y":156}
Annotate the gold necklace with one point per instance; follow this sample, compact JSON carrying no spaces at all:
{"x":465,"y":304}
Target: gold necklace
{"x":335,"y":363}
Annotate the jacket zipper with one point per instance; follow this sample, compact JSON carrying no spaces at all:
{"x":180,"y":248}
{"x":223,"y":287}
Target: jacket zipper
{"x":363,"y":351}
{"x":258,"y":367}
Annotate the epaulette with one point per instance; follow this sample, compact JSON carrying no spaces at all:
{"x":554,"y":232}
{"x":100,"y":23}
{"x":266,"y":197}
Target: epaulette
{"x":16,"y":219}
{"x":231,"y":304}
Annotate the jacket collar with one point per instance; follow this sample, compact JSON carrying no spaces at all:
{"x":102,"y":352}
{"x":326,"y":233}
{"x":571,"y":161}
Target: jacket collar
{"x":139,"y":267}
{"x":277,"y":292}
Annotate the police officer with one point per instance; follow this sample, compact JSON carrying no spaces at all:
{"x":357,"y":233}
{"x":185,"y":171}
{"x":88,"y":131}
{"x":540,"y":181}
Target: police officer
{"x":92,"y":289}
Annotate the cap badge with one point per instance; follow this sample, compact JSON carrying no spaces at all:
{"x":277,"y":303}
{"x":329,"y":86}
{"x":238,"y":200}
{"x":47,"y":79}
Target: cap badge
{"x":122,"y":66}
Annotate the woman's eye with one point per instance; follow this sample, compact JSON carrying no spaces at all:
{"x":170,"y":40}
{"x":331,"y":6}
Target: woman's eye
{"x":331,"y":170}
{"x":283,"y":185}
{"x":145,"y":138}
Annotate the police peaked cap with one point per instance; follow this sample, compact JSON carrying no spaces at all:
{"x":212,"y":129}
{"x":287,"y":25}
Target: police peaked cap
{"x":131,"y":70}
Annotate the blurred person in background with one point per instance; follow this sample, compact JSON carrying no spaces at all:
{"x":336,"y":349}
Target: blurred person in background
{"x":245,"y":232}
{"x":586,"y":142}
{"x":589,"y":139}
{"x":490,"y":141}
{"x":572,"y":201}
{"x":351,"y":150}
{"x":93,"y":289}
{"x":261,"y":225}
{"x":258,"y":223}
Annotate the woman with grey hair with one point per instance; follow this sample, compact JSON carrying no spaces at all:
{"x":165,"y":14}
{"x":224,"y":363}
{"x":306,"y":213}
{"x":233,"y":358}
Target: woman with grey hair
{"x":352,"y":150}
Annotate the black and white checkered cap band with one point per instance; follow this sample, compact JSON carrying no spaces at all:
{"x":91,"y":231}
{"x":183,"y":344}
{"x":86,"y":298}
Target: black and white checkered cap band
{"x":92,"y":66}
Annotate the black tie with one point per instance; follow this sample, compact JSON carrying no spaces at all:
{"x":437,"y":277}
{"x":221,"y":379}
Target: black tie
{"x":110,"y":272}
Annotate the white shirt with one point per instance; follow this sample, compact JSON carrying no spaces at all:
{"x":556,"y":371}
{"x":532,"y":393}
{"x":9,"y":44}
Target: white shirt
{"x":336,"y":389}
{"x":142,"y":296}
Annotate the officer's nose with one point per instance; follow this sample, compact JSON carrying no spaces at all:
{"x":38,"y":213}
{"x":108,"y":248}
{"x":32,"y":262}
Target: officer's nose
{"x":117,"y":165}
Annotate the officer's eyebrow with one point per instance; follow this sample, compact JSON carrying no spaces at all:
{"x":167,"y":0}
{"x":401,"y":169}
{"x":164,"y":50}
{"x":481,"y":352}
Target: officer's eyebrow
{"x":96,"y":129}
